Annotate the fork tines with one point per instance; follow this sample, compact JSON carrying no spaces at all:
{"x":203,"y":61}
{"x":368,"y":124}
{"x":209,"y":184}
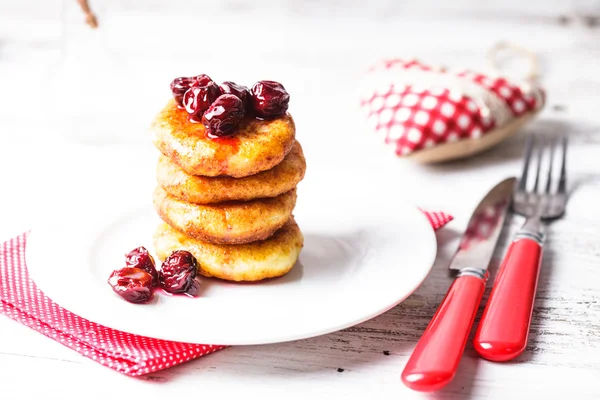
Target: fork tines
{"x":540,"y":144}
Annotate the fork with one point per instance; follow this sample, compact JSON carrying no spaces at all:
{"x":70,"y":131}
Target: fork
{"x":504,"y":326}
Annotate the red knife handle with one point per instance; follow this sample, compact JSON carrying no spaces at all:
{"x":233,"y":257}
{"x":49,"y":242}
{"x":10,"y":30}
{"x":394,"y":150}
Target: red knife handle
{"x":504,"y":327}
{"x":434,"y":361}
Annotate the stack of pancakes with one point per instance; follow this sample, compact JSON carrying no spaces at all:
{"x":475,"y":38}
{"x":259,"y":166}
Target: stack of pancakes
{"x":228,"y":200}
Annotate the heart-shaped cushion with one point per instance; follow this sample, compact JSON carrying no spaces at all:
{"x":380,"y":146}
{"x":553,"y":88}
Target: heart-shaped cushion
{"x":434,"y":114}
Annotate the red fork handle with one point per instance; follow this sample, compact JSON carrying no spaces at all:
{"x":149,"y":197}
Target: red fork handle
{"x":434,"y":361}
{"x":504,"y":326}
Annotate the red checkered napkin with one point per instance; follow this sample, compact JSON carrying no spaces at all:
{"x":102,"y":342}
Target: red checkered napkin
{"x":133,"y":355}
{"x":414,"y":106}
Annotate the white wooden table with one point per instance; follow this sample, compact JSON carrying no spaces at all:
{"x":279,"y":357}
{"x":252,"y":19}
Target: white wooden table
{"x":64,"y":85}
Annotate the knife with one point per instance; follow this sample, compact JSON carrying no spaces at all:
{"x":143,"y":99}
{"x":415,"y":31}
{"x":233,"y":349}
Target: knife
{"x":435,"y":359}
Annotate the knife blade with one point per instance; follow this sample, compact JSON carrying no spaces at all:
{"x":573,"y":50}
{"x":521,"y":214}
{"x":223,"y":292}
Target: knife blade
{"x":434,"y":362}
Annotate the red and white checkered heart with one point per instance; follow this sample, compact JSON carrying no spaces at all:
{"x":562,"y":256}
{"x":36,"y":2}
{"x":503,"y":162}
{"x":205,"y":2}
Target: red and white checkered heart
{"x":416,"y":106}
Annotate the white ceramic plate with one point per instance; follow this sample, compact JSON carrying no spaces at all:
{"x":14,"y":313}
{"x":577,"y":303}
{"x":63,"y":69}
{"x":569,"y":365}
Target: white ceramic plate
{"x":363,"y":254}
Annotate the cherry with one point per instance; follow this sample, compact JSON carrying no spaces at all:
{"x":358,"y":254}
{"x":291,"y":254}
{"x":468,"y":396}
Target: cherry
{"x":269,"y":99}
{"x":179,"y":86}
{"x":202,"y":80}
{"x":178,"y":272}
{"x":223,"y":116}
{"x":140,"y":258}
{"x":240,"y":91}
{"x":198,"y":98}
{"x":132,"y":284}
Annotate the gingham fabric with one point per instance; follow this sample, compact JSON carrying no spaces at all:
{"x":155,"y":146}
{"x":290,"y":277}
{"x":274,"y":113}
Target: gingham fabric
{"x":414,"y":106}
{"x":129,"y":354}
{"x":437,"y":219}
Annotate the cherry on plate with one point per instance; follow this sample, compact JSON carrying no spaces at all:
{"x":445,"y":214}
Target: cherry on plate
{"x":178,"y":272}
{"x":141,"y":258}
{"x":132,"y":284}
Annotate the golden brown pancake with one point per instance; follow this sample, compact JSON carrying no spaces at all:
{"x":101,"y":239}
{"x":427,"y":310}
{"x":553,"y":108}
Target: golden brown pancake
{"x":258,"y":145}
{"x":242,"y":262}
{"x":206,"y":190}
{"x":232,"y":222}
